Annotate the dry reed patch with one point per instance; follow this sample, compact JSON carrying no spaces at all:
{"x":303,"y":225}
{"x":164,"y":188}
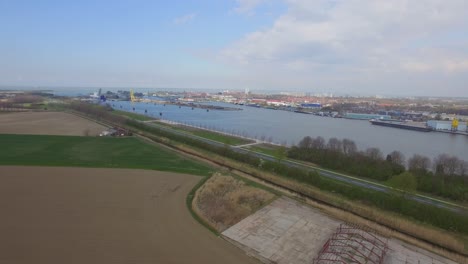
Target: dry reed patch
{"x":223,"y":201}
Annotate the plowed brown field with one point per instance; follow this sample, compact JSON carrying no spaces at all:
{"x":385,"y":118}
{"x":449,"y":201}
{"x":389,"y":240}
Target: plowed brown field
{"x":79,"y":215}
{"x":48,"y":123}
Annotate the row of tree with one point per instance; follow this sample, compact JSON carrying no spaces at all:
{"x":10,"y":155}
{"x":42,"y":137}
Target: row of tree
{"x":446,"y":175}
{"x":343,"y":155}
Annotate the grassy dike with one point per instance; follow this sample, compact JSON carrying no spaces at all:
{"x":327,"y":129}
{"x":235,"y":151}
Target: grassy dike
{"x":211,"y":135}
{"x":135,"y":116}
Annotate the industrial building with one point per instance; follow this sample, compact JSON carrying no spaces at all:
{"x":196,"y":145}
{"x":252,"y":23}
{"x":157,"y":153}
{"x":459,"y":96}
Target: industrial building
{"x":446,"y":125}
{"x":311,"y":105}
{"x":366,"y":116}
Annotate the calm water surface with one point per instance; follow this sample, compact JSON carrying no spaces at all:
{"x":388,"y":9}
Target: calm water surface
{"x":290,"y":127}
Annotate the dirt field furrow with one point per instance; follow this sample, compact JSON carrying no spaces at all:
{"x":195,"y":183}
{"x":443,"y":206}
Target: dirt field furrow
{"x":48,"y":123}
{"x":78,"y":215}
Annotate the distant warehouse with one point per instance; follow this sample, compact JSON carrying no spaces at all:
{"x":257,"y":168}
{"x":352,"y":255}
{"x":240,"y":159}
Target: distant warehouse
{"x":366,"y":116}
{"x":445,"y":125}
{"x":311,"y":105}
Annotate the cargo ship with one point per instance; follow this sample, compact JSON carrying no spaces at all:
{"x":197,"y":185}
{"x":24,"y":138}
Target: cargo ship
{"x":402,"y":124}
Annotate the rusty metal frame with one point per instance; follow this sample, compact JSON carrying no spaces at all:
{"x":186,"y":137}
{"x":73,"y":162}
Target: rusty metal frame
{"x":352,"y":244}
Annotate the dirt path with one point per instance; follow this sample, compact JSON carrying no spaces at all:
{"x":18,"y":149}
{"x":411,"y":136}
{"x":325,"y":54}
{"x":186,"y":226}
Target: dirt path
{"x":48,"y":123}
{"x":78,"y":215}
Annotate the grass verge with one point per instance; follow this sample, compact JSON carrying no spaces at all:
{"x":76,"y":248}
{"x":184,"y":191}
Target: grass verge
{"x":189,"y":203}
{"x":226,"y":139}
{"x":268,"y":149}
{"x":135,"y":116}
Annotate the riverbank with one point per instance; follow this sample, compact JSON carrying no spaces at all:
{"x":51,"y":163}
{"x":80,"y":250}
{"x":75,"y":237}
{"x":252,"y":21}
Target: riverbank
{"x":288,"y":127}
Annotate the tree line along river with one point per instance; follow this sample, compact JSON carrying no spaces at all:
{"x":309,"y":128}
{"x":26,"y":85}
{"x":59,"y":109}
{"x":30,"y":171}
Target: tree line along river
{"x":289,"y":127}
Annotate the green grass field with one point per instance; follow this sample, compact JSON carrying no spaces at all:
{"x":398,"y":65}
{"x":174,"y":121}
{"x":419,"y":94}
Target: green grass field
{"x":135,"y":116}
{"x":97,"y":152}
{"x":219,"y":137}
{"x":268,"y":149}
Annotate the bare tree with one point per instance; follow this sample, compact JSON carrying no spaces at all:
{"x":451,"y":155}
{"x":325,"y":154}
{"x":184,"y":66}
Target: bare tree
{"x":446,"y":164}
{"x":318,"y":143}
{"x":463,"y":171}
{"x":453,"y":164}
{"x":334,"y":144}
{"x":463,"y":168}
{"x":419,"y":162}
{"x":349,"y":147}
{"x":374,"y":153}
{"x":396,"y":157}
{"x":439,"y":163}
{"x":305,"y":143}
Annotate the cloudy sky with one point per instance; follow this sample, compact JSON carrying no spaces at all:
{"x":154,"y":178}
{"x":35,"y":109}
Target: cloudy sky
{"x":397,"y":47}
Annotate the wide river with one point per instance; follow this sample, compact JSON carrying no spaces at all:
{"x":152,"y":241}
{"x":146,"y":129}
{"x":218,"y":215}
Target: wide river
{"x":290,"y":127}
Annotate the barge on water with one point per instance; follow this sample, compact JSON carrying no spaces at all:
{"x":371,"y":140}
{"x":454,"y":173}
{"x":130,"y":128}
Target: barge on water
{"x":402,"y":124}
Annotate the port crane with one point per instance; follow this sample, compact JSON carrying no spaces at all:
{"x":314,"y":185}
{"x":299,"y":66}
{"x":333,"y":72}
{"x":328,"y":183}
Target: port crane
{"x":454,"y":124}
{"x":132,"y":96}
{"x":132,"y":99}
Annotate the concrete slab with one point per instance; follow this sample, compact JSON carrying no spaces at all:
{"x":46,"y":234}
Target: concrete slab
{"x":287,"y":231}
{"x":402,"y":253}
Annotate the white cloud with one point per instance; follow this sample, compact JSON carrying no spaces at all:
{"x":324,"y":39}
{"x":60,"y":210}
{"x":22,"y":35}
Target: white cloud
{"x":417,"y":66}
{"x":456,"y":65}
{"x":356,"y":37}
{"x":184,"y":19}
{"x":247,"y":6}
{"x":448,"y":66}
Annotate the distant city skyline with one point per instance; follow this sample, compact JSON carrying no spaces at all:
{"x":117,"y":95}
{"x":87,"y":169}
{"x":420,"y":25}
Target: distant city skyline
{"x":399,"y":47}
